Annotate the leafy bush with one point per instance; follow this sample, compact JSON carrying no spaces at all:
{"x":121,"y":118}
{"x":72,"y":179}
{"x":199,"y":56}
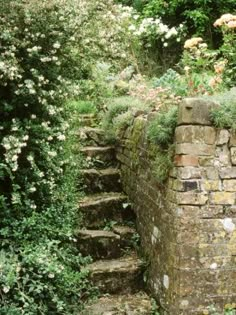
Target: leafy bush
{"x":161,"y":129}
{"x":40,"y":273}
{"x":161,"y":133}
{"x":197,"y":15}
{"x":224,"y":116}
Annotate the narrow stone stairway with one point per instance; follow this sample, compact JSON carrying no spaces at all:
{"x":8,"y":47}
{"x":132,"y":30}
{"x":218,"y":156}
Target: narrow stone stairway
{"x":109,"y":236}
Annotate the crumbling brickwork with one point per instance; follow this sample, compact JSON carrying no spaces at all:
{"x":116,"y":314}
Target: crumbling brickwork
{"x":187,"y":225}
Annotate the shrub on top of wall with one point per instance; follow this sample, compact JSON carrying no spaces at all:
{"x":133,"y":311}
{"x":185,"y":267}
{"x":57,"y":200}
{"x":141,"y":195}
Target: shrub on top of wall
{"x":37,"y":65}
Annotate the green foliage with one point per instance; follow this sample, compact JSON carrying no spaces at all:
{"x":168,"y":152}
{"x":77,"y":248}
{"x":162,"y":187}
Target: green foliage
{"x":161,"y":129}
{"x":82,"y":107}
{"x":119,"y":115}
{"x":197,"y":15}
{"x":161,"y":133}
{"x":155,"y":308}
{"x":224,"y":116}
{"x":40,"y":267}
{"x":172,"y":81}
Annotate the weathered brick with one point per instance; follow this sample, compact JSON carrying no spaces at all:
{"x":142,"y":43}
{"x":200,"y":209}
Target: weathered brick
{"x":222,"y":137}
{"x":194,"y":149}
{"x":222,"y":198}
{"x":233,"y":155}
{"x":229,"y":185}
{"x":191,"y":198}
{"x":195,"y":134}
{"x":211,"y":185}
{"x":186,"y":160}
{"x":189,"y":172}
{"x":232,"y":140}
{"x":227,"y":172}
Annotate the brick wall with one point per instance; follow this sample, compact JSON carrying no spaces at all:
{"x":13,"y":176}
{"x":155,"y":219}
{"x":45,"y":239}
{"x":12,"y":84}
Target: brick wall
{"x":187,"y":225}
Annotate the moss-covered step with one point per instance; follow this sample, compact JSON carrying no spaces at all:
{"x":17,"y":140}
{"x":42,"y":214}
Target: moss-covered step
{"x":123,"y":275}
{"x":100,"y":208}
{"x":105,"y":244}
{"x":87,"y":120}
{"x":92,"y":136}
{"x":101,"y":180}
{"x":99,"y":155}
{"x":136,"y":304}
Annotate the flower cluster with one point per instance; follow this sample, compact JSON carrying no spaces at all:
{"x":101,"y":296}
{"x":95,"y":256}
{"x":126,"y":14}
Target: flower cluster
{"x":150,"y":28}
{"x":228,"y":20}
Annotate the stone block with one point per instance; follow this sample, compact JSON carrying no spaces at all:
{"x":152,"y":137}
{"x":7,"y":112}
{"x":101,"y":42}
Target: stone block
{"x":191,"y":198}
{"x":186,"y":160}
{"x":195,"y":149}
{"x":195,"y":111}
{"x":227,"y":172}
{"x":195,"y":134}
{"x":211,"y":185}
{"x":212,"y":173}
{"x":189,"y":172}
{"x":229,"y":185}
{"x":222,"y":198}
{"x":232,"y":141}
{"x":222,"y":137}
{"x":233,"y":155}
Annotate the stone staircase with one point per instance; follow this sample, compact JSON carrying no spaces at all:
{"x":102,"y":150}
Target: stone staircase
{"x":109,"y":235}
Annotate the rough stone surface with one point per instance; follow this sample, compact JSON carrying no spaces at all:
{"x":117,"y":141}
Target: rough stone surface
{"x":99,"y":243}
{"x":101,"y":180}
{"x":188,"y":225}
{"x":194,"y":111}
{"x":137,"y":304}
{"x":97,"y":209}
{"x":122,"y":275}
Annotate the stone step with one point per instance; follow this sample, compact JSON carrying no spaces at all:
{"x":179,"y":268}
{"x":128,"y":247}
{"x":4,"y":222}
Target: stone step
{"x":92,"y":136}
{"x":99,"y":244}
{"x":87,"y":120}
{"x":100,"y":156}
{"x":136,"y":304}
{"x":104,"y":180}
{"x":105,"y":244}
{"x":101,"y":208}
{"x":123,"y":275}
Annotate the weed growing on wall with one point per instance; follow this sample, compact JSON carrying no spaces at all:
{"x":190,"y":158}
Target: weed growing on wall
{"x":161,"y":133}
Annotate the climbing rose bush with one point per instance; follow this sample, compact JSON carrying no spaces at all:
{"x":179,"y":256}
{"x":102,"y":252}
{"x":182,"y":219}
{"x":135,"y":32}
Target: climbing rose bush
{"x":40,"y":270}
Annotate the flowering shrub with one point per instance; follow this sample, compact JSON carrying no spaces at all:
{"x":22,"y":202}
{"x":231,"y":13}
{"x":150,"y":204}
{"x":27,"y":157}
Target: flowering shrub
{"x":38,"y":64}
{"x":227,"y":23}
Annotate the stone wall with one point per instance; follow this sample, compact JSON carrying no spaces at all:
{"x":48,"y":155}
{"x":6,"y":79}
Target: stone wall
{"x":187,"y":225}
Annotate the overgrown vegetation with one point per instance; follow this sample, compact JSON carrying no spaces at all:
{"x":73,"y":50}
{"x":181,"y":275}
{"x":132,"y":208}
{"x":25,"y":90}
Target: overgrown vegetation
{"x":161,"y":133}
{"x":40,"y":267}
{"x":94,"y":54}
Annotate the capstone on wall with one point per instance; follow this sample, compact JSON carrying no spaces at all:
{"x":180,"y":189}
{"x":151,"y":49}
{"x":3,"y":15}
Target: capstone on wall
{"x":187,"y":225}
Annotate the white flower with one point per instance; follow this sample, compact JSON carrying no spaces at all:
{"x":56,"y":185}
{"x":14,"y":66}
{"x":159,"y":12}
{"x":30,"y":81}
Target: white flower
{"x":61,"y":137}
{"x":52,"y":153}
{"x":56,"y":45}
{"x":33,"y":116}
{"x":32,"y":189}
{"x":51,"y":275}
{"x":6,"y":289}
{"x":14,"y":158}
